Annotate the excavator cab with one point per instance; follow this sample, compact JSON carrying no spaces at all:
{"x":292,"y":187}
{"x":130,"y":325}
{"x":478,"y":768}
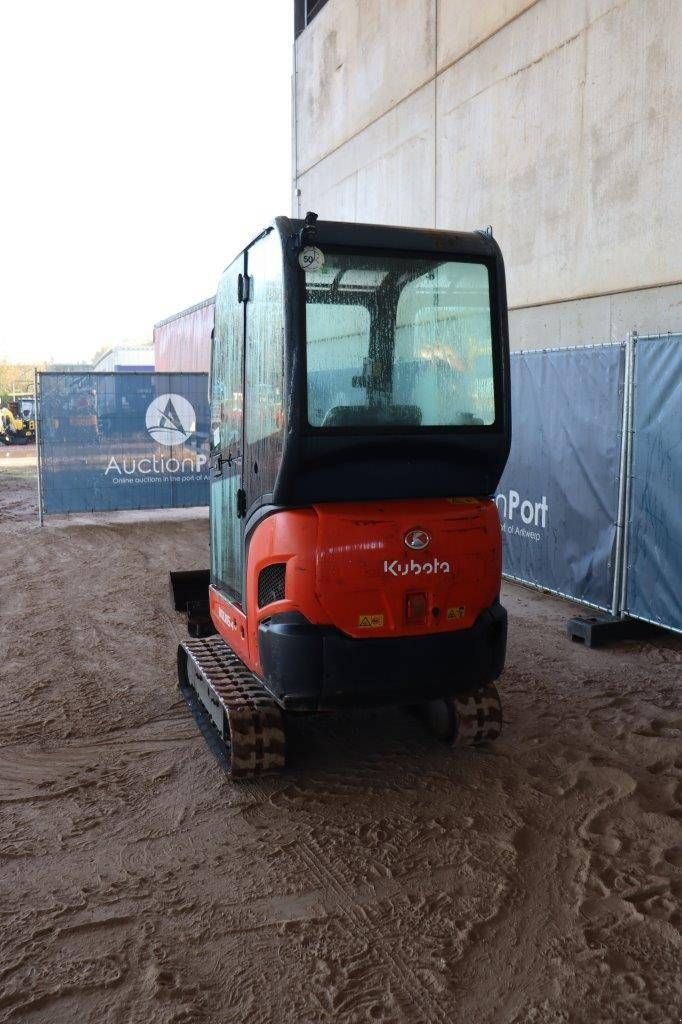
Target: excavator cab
{"x":360,"y":423}
{"x":27,"y":408}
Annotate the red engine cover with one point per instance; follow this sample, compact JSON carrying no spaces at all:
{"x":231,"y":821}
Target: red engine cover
{"x":351,"y":566}
{"x":370,"y":560}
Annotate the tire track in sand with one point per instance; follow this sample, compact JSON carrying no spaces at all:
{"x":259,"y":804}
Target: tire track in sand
{"x":403,"y":975}
{"x":423,"y":998}
{"x":544,"y":905}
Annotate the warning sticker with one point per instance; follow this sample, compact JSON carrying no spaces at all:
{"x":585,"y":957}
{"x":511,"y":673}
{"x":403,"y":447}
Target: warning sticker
{"x":370,"y":621}
{"x":456,"y":613}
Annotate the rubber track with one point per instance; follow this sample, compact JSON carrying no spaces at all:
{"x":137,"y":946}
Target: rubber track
{"x":253,"y":737}
{"x":479,"y":714}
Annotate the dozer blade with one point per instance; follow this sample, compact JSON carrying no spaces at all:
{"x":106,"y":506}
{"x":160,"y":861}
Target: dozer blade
{"x":189,"y":587}
{"x":240,"y":713}
{"x":189,"y":591}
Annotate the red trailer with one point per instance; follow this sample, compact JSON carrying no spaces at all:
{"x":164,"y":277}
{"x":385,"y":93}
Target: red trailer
{"x":182,"y":342}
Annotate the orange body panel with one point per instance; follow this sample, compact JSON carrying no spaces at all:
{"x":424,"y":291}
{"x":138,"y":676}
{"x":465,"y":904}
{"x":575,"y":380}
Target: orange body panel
{"x":348,"y":566}
{"x":230,"y":621}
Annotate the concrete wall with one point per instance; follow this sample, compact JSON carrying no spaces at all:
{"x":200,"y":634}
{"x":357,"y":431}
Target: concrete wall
{"x":556,"y":121}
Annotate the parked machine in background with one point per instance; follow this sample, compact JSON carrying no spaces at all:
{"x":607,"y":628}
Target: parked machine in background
{"x":18,"y":419}
{"x":360,"y":424}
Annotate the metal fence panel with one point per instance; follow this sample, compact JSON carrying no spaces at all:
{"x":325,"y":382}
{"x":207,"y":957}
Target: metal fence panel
{"x":654,"y":539}
{"x":122,"y":441}
{"x":558,"y":497}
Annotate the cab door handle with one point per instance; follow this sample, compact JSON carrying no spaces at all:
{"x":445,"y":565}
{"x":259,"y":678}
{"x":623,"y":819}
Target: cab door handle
{"x":216,"y":465}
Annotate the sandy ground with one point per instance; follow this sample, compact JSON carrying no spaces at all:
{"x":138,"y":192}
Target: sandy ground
{"x":17,"y":457}
{"x":382,"y":878}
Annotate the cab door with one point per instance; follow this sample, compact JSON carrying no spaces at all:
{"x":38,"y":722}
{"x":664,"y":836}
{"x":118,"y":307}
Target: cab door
{"x":264,"y":370}
{"x":227,"y":405}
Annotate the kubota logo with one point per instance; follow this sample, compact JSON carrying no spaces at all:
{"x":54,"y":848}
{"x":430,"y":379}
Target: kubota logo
{"x":417,"y":540}
{"x":170,"y":419}
{"x":412,"y":568}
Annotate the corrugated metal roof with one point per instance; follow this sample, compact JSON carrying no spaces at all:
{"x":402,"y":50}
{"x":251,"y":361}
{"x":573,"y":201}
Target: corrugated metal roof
{"x":185,"y":312}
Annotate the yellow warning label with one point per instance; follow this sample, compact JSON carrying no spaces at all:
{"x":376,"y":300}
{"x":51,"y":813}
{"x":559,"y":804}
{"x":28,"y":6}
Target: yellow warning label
{"x":456,"y":613}
{"x":370,"y":621}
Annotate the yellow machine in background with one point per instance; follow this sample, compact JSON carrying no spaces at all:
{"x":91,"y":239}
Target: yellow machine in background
{"x":18,"y":419}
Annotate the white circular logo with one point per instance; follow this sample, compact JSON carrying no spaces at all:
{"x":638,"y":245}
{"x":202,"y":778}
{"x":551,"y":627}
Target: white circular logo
{"x":311,"y":258}
{"x":417,"y":540}
{"x":170,"y":419}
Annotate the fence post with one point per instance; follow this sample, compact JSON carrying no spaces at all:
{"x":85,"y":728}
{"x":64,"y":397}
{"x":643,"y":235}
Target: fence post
{"x":632,"y":340}
{"x":38,"y":435}
{"x":622,"y":470}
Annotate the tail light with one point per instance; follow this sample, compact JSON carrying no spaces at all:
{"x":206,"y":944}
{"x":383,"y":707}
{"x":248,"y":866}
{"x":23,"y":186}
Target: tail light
{"x":415,"y":608}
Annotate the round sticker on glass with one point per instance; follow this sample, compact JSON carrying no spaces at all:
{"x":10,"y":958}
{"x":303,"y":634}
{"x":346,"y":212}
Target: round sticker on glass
{"x":311,"y":258}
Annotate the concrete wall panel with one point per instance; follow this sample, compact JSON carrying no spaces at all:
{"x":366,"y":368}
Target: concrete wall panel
{"x":563,"y":132}
{"x":383,"y":175}
{"x":465,"y":24}
{"x":355,"y":61}
{"x":557,"y":121}
{"x":596,"y":320}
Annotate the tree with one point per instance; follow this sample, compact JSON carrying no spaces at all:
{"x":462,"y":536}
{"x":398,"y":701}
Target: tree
{"x":100,"y":352}
{"x":17,"y":377}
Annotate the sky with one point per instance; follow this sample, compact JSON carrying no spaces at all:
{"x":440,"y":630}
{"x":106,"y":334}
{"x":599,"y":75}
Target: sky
{"x":142,"y":144}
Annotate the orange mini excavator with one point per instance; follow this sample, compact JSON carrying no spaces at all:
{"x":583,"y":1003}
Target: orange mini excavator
{"x":360,"y":422}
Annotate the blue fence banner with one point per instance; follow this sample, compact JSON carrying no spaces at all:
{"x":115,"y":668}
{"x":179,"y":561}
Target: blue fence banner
{"x":122,"y":441}
{"x":654,"y":542}
{"x":558,"y":497}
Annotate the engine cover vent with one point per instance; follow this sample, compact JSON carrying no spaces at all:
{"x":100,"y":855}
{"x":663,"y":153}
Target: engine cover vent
{"x":271,"y":584}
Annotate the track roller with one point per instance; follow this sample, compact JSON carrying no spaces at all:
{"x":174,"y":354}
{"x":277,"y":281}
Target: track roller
{"x":243,"y":717}
{"x":471,"y":717}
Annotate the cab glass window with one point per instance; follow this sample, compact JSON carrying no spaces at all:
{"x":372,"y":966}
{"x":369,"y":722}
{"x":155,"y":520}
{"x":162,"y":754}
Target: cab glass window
{"x":399,"y":342}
